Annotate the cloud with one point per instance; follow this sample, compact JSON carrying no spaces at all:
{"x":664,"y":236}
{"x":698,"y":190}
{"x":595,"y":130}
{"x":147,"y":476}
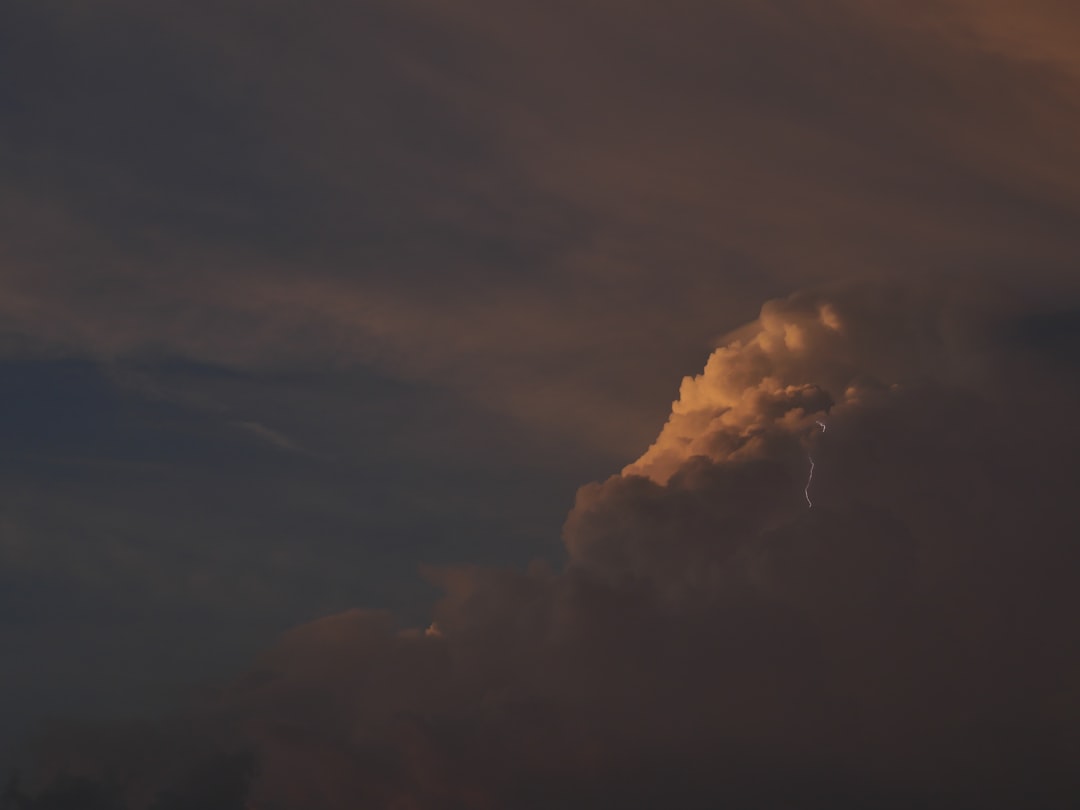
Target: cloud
{"x":802,"y":357}
{"x":712,"y":640}
{"x":710,"y":637}
{"x":512,"y":221}
{"x":549,"y":211}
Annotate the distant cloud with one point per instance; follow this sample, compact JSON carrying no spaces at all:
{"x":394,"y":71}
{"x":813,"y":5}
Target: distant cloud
{"x":710,"y":638}
{"x":707,"y":622}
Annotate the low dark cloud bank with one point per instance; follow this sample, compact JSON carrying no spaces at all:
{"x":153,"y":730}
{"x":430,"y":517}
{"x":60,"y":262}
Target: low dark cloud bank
{"x":712,"y":640}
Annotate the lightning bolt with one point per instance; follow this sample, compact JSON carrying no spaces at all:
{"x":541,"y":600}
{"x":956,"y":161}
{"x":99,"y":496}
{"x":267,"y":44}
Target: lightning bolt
{"x":806,"y":490}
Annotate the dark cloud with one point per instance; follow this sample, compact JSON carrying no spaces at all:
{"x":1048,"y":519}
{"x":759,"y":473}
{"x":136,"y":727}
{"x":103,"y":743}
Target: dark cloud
{"x":294,"y":299}
{"x":711,"y":639}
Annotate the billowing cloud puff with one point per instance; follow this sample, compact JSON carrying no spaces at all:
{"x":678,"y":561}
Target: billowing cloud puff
{"x":713,"y":641}
{"x":784,"y":372}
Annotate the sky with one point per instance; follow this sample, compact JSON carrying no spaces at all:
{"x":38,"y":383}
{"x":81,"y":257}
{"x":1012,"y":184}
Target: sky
{"x":412,"y":404}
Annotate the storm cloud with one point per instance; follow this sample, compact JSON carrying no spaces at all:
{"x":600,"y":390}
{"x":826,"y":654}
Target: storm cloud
{"x":295,"y":301}
{"x":712,"y":639}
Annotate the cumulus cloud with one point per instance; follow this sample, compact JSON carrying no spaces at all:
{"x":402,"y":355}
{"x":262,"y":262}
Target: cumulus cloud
{"x":802,"y":357}
{"x":710,"y":638}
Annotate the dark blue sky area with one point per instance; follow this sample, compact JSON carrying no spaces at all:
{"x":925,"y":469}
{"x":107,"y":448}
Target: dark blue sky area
{"x":157,"y":528}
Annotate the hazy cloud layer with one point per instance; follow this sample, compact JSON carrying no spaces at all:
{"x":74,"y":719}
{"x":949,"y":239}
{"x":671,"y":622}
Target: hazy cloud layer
{"x":516,"y":199}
